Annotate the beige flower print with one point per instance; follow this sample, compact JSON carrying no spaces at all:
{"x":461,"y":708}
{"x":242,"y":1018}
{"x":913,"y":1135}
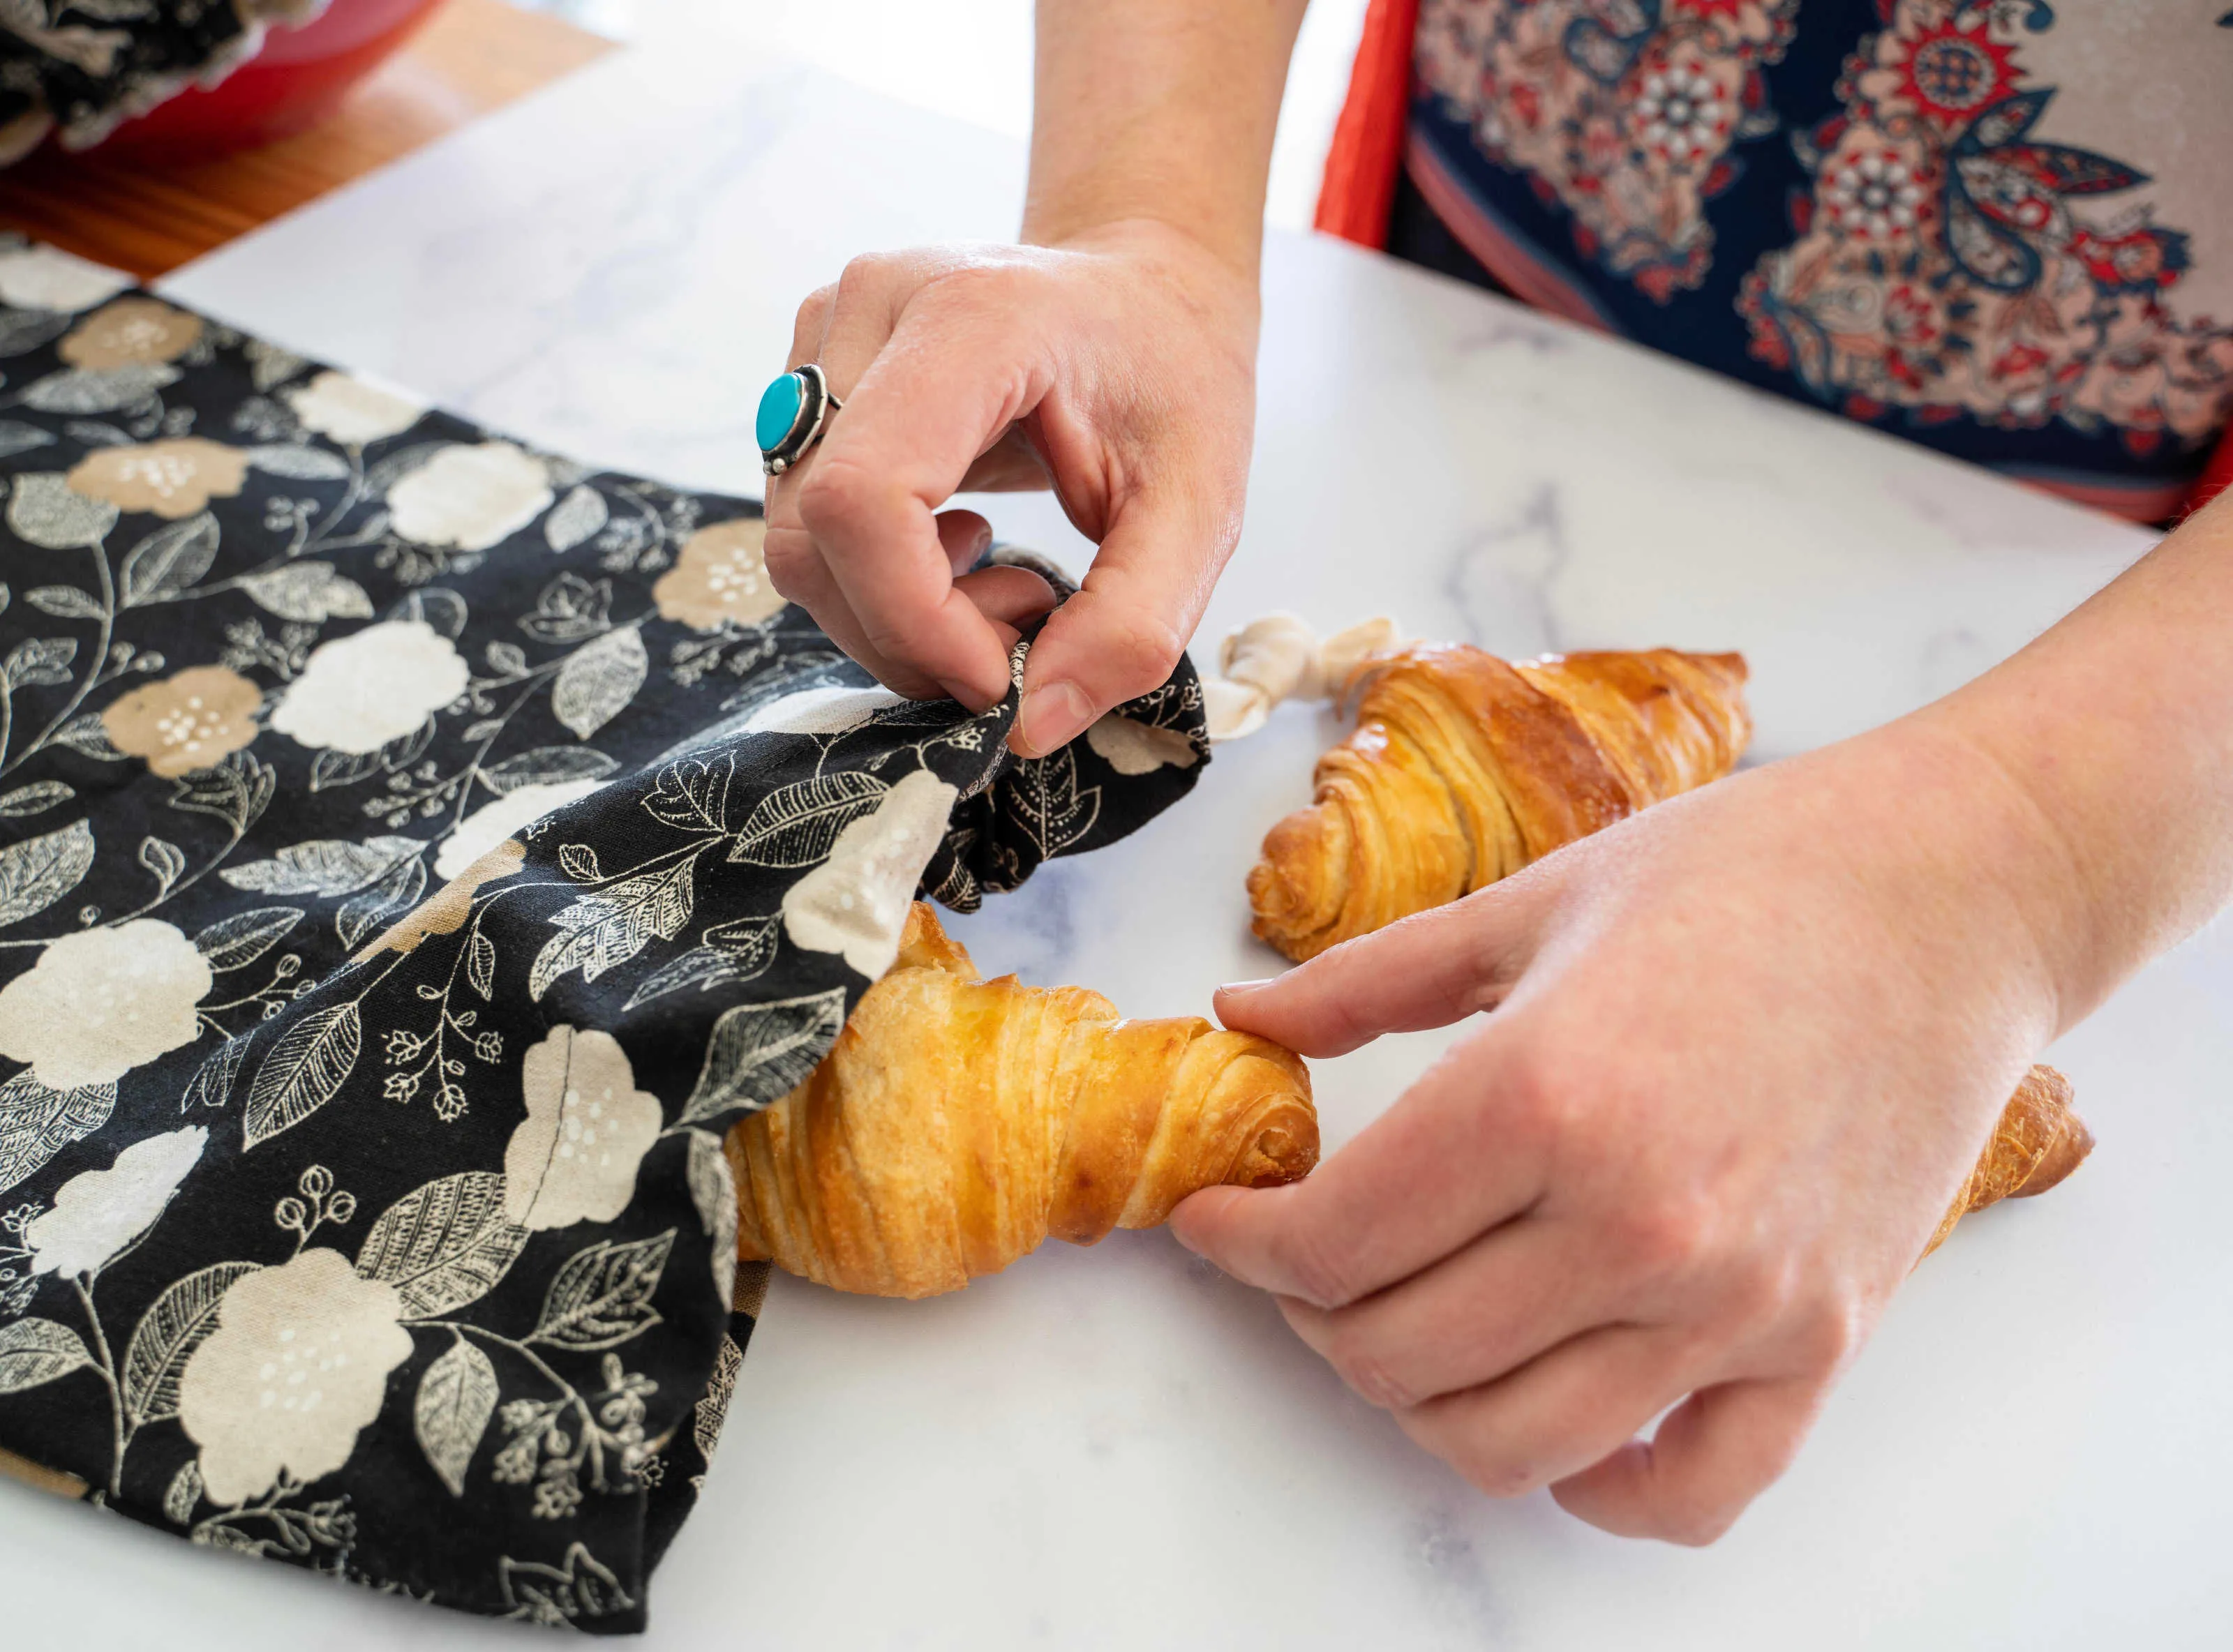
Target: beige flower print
{"x":103,"y":1001}
{"x":470,"y":495}
{"x":1131,"y":747}
{"x":98,"y":1212}
{"x":352,"y":410}
{"x":172,"y":478}
{"x":359,"y":691}
{"x":720,"y":575}
{"x":444,"y":912}
{"x":186,"y":722}
{"x":296,"y":1368}
{"x":855,"y":901}
{"x":574,"y":1157}
{"x":132,"y":332}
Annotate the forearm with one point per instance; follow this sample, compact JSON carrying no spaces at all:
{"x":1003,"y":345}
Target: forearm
{"x":1160,"y":109}
{"x":2116,"y":730}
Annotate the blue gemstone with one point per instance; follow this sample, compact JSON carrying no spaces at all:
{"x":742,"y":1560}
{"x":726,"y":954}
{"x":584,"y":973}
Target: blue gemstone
{"x":780,"y":404}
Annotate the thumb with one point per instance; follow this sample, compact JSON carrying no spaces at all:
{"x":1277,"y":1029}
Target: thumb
{"x":1425,"y":970}
{"x":1121,"y":634}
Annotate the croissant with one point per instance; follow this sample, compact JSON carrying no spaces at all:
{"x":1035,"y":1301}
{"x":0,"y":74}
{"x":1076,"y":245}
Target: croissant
{"x":2038,"y":1142}
{"x":1463,"y":769}
{"x":958,"y":1122}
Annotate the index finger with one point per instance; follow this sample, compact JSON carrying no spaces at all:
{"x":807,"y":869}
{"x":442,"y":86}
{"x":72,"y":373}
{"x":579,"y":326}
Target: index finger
{"x":945,"y":388}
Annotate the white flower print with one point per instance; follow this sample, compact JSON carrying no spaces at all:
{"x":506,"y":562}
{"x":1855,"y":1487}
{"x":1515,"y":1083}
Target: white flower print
{"x":834,"y":708}
{"x":99,"y":1212}
{"x":574,"y":1157}
{"x":1680,"y":113}
{"x":41,"y":278}
{"x":358,"y":692}
{"x":1873,"y":193}
{"x":297,"y":1365}
{"x":99,"y":1003}
{"x":352,"y":410}
{"x":505,"y":816}
{"x":470,"y":496}
{"x":856,"y":901}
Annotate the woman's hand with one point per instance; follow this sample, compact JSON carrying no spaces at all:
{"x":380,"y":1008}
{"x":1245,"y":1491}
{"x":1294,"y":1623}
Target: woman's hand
{"x":1745,"y":1047}
{"x":1117,"y":366}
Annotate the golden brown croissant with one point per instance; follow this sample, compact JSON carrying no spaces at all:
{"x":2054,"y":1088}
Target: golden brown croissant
{"x":957,"y":1122}
{"x":2038,"y":1142}
{"x":1463,"y":769}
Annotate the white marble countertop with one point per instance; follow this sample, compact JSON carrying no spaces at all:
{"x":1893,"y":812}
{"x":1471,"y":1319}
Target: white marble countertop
{"x":1117,"y":1447}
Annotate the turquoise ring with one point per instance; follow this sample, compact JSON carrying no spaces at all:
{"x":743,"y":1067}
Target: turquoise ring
{"x":793,"y":410}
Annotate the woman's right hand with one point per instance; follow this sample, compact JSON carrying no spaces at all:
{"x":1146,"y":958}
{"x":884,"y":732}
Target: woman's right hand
{"x":1116,"y":366}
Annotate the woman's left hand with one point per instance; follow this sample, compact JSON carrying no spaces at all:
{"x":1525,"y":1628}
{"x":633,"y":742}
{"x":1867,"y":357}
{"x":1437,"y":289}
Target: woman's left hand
{"x":1745,"y":1047}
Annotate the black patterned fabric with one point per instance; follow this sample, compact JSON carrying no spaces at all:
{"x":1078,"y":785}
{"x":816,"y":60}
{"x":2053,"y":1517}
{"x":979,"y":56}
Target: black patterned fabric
{"x":80,"y":68}
{"x":415,"y":851}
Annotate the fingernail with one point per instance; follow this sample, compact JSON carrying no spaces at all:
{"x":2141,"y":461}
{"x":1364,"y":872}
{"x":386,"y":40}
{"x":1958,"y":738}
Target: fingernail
{"x":980,"y":543}
{"x":1053,"y":715}
{"x":1247,"y":986}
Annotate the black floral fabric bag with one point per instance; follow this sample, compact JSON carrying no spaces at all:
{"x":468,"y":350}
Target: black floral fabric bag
{"x":416,"y":852}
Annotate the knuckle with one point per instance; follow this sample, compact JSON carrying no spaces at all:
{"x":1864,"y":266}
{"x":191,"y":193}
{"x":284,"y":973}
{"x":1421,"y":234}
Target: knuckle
{"x":834,"y":496}
{"x":1665,"y":1236}
{"x":1825,"y":1336}
{"x":864,"y":275}
{"x":1141,"y":651}
{"x":813,"y":308}
{"x":1352,"y":1352}
{"x":790,"y":557}
{"x":1319,"y":1270}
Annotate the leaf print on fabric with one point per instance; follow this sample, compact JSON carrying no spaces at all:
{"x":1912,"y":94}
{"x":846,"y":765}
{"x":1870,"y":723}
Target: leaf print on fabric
{"x":760,"y":1052}
{"x":298,"y":463}
{"x":23,"y":331}
{"x":172,"y":478}
{"x":742,"y":952}
{"x":360,"y":692}
{"x":296,"y":1367}
{"x":43,"y":662}
{"x":571,"y":609}
{"x":35,"y":1351}
{"x":361,"y":913}
{"x":177,"y":1322}
{"x":64,"y":603}
{"x":17,"y":437}
{"x":98,"y":1214}
{"x":303,"y":1071}
{"x":548,"y":765}
{"x":714,"y":1190}
{"x":168,"y":560}
{"x":36,"y":1123}
{"x":446,"y":913}
{"x":576,"y":519}
{"x":584,"y":1587}
{"x":598,"y":680}
{"x":323,"y":866}
{"x":39,"y":871}
{"x":457,"y":1396}
{"x":310,"y":592}
{"x":574,"y":1157}
{"x":34,"y":799}
{"x":185,"y":1493}
{"x":351,"y":411}
{"x":602,"y":1297}
{"x":797,"y":825}
{"x":102,"y":1002}
{"x":79,"y":390}
{"x":212,"y":1082}
{"x":613,"y":925}
{"x":44,"y":508}
{"x":445,"y":1244}
{"x":855,"y":901}
{"x":1043,"y":797}
{"x":235,"y":942}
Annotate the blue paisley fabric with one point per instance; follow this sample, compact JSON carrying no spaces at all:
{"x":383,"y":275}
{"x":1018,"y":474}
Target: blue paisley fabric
{"x":1920,"y":213}
{"x":415,"y":851}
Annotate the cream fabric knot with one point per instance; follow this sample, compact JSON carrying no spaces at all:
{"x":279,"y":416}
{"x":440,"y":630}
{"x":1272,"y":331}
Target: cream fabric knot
{"x":1282,"y":657}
